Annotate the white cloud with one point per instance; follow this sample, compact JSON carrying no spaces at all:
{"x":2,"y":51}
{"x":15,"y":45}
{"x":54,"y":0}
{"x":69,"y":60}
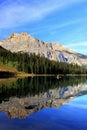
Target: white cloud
{"x":13,"y":14}
{"x":54,"y":28}
{"x":81,"y":106}
{"x":80,"y":47}
{"x":78,"y":44}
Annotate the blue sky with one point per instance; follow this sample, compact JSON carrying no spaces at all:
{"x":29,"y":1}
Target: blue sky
{"x":49,"y":20}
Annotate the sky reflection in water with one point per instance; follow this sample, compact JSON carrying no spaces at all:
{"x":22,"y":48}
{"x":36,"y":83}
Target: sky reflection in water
{"x":72,"y":116}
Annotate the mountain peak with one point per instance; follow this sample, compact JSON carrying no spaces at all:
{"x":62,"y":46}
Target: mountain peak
{"x":24,"y":34}
{"x":23,"y":37}
{"x":23,"y":42}
{"x":14,"y":35}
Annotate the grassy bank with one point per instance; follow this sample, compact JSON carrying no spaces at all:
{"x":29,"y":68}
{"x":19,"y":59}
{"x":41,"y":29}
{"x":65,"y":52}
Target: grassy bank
{"x":8,"y":71}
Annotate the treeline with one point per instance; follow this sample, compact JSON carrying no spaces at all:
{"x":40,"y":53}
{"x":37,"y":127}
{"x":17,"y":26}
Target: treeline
{"x":38,"y":84}
{"x":38,"y":65}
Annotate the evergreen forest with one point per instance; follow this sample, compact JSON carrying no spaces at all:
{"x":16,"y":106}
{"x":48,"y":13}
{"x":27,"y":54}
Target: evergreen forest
{"x":38,"y":65}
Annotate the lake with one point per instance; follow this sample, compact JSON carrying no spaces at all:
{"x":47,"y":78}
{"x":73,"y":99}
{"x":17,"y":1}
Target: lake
{"x":43,"y":103}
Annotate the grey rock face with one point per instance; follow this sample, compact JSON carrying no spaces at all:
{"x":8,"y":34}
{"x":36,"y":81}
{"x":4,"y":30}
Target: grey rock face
{"x":54,"y":51}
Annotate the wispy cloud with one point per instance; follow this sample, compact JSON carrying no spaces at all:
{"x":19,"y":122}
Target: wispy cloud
{"x":54,"y":27}
{"x":78,"y":44}
{"x":13,"y":14}
{"x":81,"y":106}
{"x":79,"y":47}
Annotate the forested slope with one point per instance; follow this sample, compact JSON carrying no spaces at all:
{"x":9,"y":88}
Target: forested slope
{"x":36,"y":64}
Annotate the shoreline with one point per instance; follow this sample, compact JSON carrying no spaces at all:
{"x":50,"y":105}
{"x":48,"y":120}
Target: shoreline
{"x":17,"y":74}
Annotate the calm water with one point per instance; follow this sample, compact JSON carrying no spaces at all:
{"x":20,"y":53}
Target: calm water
{"x":43,"y":103}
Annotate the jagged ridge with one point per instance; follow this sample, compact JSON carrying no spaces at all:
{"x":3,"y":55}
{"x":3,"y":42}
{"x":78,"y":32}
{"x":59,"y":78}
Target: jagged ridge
{"x":54,"y":51}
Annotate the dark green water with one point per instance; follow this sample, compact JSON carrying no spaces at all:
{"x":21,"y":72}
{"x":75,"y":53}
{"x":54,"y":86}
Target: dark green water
{"x":36,"y":85}
{"x":44,"y":103}
{"x":7,"y":74}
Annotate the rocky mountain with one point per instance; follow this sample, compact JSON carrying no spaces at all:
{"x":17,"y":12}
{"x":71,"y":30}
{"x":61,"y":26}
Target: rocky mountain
{"x":54,"y":51}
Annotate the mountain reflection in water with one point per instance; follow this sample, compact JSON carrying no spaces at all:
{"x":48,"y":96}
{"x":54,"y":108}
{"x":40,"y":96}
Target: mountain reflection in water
{"x":22,"y":97}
